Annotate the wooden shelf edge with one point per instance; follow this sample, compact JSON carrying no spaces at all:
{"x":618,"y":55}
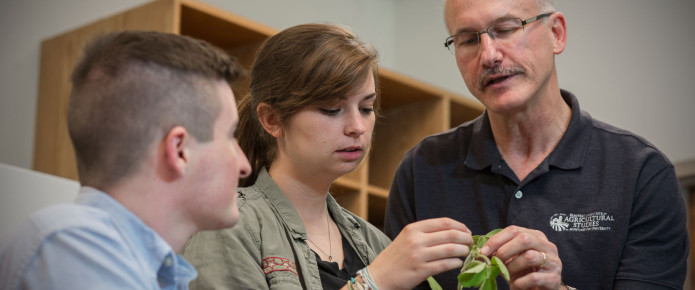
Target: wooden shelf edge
{"x":229,"y":17}
{"x":348,"y":183}
{"x":378,"y":191}
{"x":466,"y":102}
{"x":420,"y":85}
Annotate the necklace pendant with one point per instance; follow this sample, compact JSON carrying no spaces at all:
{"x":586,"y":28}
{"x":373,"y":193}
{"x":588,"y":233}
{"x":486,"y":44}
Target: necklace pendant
{"x":330,"y":258}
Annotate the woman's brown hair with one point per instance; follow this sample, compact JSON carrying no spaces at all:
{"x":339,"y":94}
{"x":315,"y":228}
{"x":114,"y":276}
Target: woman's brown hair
{"x":300,"y":66}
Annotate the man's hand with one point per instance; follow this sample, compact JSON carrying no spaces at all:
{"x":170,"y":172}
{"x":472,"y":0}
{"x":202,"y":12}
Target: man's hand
{"x":531,"y":259}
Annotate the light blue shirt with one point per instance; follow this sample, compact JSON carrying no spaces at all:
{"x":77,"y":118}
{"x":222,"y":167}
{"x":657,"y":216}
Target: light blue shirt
{"x":95,"y":243}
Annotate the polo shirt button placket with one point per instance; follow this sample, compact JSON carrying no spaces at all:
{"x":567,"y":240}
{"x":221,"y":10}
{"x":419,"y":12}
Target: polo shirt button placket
{"x":519,"y":194}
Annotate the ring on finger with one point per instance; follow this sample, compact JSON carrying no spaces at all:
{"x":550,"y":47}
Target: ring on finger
{"x":545,"y":259}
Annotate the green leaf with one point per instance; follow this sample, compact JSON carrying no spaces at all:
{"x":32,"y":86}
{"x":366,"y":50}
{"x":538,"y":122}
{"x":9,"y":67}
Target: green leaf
{"x":492,"y":281}
{"x":473,"y":276}
{"x":480,"y":271}
{"x":476,"y":267}
{"x":488,"y":285}
{"x":480,"y":242}
{"x":492,"y":233}
{"x":433,"y":283}
{"x":502,"y":268}
{"x":469,"y":260}
{"x":475,"y":240}
{"x":494,"y":271}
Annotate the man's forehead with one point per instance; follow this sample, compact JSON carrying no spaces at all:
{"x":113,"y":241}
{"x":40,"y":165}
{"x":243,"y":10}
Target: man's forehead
{"x":463,"y":15}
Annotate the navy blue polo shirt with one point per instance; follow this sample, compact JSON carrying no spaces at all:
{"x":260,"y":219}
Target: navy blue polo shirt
{"x":608,"y":199}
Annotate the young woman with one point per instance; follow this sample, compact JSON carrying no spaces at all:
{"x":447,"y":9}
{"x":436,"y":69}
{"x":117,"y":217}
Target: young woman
{"x":308,"y":120}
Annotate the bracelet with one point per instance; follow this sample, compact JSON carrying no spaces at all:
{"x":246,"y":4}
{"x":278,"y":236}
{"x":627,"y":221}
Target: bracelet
{"x":352,"y":284}
{"x":368,"y":282}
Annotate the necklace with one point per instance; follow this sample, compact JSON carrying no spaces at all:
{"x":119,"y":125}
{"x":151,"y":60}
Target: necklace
{"x":330,"y":243}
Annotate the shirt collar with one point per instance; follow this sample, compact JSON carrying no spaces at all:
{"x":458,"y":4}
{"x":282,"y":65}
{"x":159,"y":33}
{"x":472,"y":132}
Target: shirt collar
{"x":289,"y":214}
{"x":570,"y":151}
{"x":280,"y":203}
{"x":568,"y":154}
{"x":144,"y":240}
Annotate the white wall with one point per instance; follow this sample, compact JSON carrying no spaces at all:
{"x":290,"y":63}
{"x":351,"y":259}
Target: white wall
{"x":628,"y":61}
{"x":24,"y":191}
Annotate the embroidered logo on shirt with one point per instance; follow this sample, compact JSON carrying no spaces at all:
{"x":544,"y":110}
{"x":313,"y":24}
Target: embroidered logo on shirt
{"x":274,"y":264}
{"x":575,"y":222}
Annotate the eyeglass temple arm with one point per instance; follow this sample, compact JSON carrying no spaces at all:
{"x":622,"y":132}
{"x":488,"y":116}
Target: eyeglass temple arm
{"x":527,"y":21}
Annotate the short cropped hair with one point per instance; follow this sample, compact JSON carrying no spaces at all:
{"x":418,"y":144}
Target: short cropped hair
{"x":130,"y":88}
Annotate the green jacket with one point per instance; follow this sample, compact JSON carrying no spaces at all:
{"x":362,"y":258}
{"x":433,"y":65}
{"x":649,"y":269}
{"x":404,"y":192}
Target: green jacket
{"x":267,"y":249}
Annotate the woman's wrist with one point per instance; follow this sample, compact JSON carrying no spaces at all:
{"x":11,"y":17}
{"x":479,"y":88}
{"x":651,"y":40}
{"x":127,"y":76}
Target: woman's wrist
{"x":358,"y":282}
{"x":364,"y":275}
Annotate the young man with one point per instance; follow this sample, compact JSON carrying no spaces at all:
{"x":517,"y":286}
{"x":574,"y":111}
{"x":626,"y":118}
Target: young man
{"x":582,"y":203}
{"x":152,"y":119}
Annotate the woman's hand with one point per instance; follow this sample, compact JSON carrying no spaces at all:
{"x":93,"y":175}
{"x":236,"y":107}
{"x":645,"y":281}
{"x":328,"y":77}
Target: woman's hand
{"x":422,"y":249}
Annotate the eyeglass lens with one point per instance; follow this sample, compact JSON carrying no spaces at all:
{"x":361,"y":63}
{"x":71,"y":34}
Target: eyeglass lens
{"x":499,"y":31}
{"x":504,"y":30}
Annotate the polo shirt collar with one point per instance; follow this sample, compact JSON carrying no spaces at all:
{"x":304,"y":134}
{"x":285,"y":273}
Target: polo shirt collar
{"x":568,"y":154}
{"x":570,"y":151}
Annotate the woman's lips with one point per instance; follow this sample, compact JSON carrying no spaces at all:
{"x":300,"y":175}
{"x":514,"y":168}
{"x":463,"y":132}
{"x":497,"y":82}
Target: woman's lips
{"x":350,"y":153}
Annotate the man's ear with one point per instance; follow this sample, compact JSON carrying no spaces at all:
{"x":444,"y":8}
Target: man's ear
{"x":559,"y":29}
{"x":269,"y":119}
{"x":176,"y":155}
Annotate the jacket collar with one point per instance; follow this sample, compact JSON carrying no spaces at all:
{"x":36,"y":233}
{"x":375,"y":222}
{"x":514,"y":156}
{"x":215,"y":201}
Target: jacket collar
{"x":289,"y":214}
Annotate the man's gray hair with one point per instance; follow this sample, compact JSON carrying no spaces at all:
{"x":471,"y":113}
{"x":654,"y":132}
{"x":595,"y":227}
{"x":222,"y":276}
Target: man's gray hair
{"x":546,"y":5}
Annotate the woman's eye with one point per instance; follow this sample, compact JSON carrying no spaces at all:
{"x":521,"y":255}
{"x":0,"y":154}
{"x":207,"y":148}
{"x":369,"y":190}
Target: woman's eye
{"x":367,"y":110}
{"x":329,"y":111}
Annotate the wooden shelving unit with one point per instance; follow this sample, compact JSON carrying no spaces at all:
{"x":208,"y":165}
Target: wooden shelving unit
{"x":411,"y":109}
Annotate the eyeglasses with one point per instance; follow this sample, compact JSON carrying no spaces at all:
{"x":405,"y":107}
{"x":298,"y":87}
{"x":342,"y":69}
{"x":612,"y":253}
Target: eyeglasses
{"x":466,"y":41}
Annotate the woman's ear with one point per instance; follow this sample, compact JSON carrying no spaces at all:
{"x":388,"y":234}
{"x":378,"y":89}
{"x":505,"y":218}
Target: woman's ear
{"x":269,"y":119}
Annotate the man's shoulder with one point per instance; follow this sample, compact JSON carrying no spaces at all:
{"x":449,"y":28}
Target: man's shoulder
{"x":64,"y":217}
{"x":620,"y":133}
{"x":626,"y":142}
{"x":66,"y":232}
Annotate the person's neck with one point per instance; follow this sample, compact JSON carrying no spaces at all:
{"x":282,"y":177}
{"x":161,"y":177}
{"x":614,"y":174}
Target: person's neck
{"x":526,"y":137}
{"x":155,"y":210}
{"x":307,"y":193}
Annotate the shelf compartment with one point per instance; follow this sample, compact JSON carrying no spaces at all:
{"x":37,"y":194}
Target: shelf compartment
{"x":463,"y":110}
{"x":400,"y":129}
{"x":350,"y":196}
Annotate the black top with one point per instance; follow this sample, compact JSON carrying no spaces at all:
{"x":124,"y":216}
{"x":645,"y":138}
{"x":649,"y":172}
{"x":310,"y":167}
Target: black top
{"x":334,"y":278}
{"x":608,"y":199}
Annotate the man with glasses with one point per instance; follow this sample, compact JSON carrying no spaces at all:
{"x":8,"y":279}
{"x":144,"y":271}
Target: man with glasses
{"x":581,"y":202}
